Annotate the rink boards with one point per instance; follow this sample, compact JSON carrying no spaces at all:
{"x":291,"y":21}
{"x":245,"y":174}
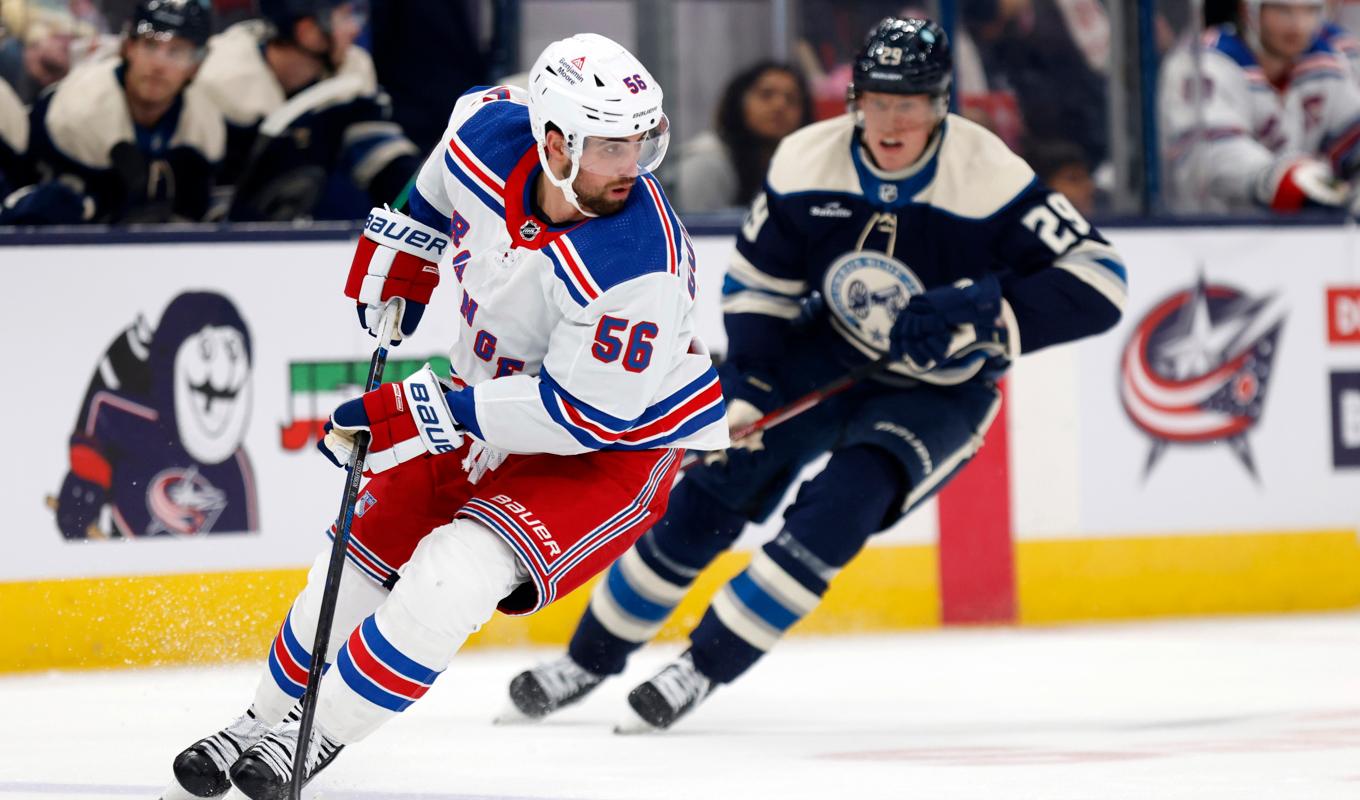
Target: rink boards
{"x":1203,"y":457}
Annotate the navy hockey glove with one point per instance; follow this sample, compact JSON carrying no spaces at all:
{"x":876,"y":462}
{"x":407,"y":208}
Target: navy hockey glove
{"x":406,"y":420}
{"x":79,"y":505}
{"x":923,"y":332}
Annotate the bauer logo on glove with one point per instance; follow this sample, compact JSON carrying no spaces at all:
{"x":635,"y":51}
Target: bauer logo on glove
{"x":406,"y":420}
{"x":397,"y":257}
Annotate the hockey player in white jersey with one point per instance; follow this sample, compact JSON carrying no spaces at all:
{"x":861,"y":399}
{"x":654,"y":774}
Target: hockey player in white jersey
{"x":1263,"y":114}
{"x":938,"y":258}
{"x":577,"y":383}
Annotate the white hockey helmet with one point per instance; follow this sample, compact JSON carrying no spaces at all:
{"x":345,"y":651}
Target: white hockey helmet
{"x":1252,"y":12}
{"x":599,"y":96}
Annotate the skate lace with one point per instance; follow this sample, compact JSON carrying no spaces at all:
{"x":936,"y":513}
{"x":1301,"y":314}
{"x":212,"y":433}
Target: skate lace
{"x":681,"y":684}
{"x":278,"y":747}
{"x":227,"y":745}
{"x":562,"y":678}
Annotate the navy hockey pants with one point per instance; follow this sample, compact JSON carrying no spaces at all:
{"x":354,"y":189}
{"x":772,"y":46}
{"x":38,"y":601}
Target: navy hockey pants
{"x":891,"y":449}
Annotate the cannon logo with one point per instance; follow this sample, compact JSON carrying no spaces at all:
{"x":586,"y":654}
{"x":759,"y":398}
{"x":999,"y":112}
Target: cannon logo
{"x":1196,"y":369}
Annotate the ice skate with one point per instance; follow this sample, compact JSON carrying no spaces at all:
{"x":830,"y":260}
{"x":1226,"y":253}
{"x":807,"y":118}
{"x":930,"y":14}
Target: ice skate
{"x":201,"y":770}
{"x":669,"y":695}
{"x":536,"y":693}
{"x":263,"y":772}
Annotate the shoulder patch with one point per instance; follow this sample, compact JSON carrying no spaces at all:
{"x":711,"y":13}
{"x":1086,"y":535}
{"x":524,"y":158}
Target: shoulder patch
{"x":978,"y":175}
{"x":89,"y":93}
{"x":816,"y":159}
{"x":645,"y":237}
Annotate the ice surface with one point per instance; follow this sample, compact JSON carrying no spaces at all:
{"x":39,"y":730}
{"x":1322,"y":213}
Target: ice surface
{"x":1240,"y":708}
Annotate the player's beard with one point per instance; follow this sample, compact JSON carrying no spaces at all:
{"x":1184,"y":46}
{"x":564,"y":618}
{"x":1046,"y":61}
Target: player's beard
{"x":600,"y":203}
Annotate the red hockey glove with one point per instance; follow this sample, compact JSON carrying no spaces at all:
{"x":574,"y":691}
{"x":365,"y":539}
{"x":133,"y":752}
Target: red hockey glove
{"x":406,"y":420}
{"x":396,"y":257}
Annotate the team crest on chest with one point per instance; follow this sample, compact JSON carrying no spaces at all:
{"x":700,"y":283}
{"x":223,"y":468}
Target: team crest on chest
{"x":529,"y":230}
{"x":865,"y":291}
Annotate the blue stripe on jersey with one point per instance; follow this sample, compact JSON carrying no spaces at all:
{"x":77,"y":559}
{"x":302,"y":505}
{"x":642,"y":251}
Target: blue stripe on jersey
{"x":422,"y":211}
{"x":732,"y":285}
{"x":626,"y":245}
{"x":761,"y":603}
{"x":1230,"y":45}
{"x":1115,"y":267}
{"x":561,"y":274}
{"x":498,"y":133}
{"x":463,"y":406}
{"x":652,"y":413}
{"x":491,"y":201}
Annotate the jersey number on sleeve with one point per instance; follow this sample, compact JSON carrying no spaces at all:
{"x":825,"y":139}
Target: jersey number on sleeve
{"x":637,"y":354}
{"x":1057,"y":223}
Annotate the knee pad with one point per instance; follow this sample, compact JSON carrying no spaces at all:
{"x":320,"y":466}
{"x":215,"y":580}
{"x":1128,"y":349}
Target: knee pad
{"x":448,"y":589}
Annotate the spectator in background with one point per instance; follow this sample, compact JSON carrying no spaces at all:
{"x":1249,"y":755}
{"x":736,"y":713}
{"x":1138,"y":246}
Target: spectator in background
{"x":302,"y":103}
{"x":416,"y":39}
{"x":44,"y":39}
{"x":1062,"y":165}
{"x":14,"y":171}
{"x":1261,"y":114}
{"x":725,"y":167}
{"x":128,"y":139}
{"x":1051,"y":55}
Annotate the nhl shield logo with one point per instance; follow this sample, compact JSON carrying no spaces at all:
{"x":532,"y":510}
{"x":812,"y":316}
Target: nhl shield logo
{"x":1196,"y":369}
{"x":529,"y":230}
{"x":887,"y":192}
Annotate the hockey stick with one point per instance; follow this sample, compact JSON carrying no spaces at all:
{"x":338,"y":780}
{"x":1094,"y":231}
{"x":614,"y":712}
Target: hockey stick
{"x":330,"y":594}
{"x":962,"y":343}
{"x":786,"y":412}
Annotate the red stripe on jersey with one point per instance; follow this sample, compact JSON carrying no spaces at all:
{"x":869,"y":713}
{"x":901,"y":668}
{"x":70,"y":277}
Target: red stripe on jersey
{"x":463,"y":158}
{"x":379,"y":672}
{"x":581,"y":422}
{"x":576,"y":271}
{"x":703,"y":399}
{"x":671,"y":253}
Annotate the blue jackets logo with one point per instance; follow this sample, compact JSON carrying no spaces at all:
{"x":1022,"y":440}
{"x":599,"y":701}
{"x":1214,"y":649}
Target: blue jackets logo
{"x":865,"y":291}
{"x":1196,"y":369}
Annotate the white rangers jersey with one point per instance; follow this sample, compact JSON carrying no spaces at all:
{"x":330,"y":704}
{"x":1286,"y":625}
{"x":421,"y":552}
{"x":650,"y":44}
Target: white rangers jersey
{"x":1224,"y":125}
{"x":572,"y":338}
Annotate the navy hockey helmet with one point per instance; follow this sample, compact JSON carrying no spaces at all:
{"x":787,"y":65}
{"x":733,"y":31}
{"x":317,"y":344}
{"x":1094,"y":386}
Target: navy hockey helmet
{"x":190,"y":19}
{"x":283,"y":13}
{"x":903,"y":56}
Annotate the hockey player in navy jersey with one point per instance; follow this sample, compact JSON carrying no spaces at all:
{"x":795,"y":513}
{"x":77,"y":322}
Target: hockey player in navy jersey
{"x":926,"y":239}
{"x":577,"y":383}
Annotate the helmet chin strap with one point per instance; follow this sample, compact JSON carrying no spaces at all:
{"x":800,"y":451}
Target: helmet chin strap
{"x":564,"y":184}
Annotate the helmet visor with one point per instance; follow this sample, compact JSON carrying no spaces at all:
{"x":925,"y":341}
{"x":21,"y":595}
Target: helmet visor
{"x":625,"y":157}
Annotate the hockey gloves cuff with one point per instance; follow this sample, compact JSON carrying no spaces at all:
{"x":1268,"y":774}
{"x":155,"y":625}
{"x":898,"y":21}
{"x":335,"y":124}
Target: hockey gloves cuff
{"x":406,"y":420}
{"x":1293,"y":184}
{"x":938,"y":323}
{"x":396,"y":257}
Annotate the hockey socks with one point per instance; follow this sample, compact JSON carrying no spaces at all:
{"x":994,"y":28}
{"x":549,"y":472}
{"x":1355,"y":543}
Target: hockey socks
{"x":834,"y":515}
{"x":643,"y":587}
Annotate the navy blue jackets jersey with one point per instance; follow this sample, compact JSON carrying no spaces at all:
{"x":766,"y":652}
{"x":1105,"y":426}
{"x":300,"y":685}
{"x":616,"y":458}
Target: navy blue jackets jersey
{"x":830,"y":224}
